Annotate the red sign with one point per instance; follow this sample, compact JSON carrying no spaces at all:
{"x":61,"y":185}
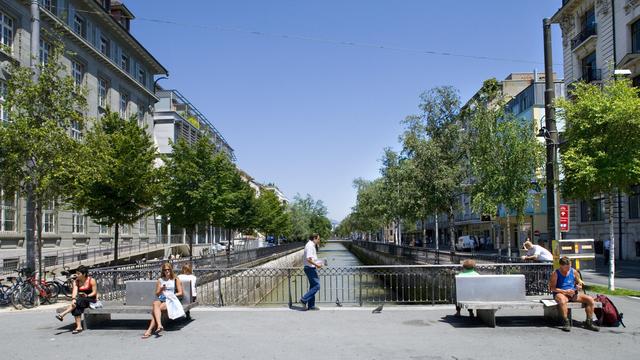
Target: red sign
{"x":564,"y":218}
{"x":536,"y":233}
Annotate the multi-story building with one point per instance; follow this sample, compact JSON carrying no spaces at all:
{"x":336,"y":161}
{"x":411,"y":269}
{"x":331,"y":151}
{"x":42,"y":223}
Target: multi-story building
{"x":599,"y":37}
{"x":525,"y":95}
{"x":118,"y":73}
{"x":176,"y":118}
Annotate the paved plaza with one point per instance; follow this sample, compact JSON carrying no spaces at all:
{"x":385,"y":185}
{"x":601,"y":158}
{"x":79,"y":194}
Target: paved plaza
{"x":401,"y":332}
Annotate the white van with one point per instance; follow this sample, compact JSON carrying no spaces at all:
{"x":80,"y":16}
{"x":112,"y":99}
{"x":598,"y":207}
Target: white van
{"x":466,"y":243}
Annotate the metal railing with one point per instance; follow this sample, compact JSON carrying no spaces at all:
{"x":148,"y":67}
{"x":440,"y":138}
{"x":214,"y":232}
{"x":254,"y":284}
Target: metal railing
{"x":222,"y":260}
{"x":423,"y":255}
{"x":586,"y":32}
{"x":590,"y":75}
{"x":417,"y":284}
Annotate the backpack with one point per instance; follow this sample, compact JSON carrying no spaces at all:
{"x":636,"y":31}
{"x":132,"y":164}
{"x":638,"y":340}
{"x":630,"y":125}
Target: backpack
{"x":608,"y":315}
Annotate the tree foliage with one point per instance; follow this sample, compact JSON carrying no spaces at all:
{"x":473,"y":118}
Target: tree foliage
{"x":309,"y":216}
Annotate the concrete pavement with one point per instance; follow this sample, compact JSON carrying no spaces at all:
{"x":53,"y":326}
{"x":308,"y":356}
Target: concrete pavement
{"x":401,"y":332}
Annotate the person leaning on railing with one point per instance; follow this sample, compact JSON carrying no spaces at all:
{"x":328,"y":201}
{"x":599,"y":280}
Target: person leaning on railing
{"x":85,"y":292}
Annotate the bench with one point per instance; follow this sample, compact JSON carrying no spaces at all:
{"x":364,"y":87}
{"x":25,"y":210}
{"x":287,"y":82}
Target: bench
{"x":489,"y":293}
{"x":139,"y":295}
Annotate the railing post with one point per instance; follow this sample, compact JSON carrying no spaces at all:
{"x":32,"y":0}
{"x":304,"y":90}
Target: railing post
{"x":220,"y":300}
{"x":289,"y":280}
{"x":360,"y":289}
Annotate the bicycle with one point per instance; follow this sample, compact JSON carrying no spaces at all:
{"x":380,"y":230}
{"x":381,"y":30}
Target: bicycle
{"x":33,"y":292}
{"x":9,"y":294}
{"x":63,"y":287}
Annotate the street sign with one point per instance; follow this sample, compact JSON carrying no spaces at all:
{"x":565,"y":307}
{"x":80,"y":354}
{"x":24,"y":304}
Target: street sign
{"x":564,"y":218}
{"x":536,"y":233}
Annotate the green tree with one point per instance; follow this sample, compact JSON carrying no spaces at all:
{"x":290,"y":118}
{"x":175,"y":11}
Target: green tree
{"x":437,"y":145}
{"x":272,"y":216}
{"x":369,"y":212}
{"x":118,"y":182}
{"x":504,"y":157}
{"x":190,"y":191}
{"x":38,"y":158}
{"x":308,"y":216}
{"x":602,"y":154}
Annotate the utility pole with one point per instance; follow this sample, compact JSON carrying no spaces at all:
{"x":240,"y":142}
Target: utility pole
{"x":30,"y":215}
{"x":552,"y":140}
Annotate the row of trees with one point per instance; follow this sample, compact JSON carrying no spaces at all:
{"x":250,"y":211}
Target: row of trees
{"x":112,"y":172}
{"x":449,"y":150}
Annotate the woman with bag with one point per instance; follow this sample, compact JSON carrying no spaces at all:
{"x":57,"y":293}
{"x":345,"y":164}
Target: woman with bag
{"x":85,"y":293}
{"x":168,"y":289}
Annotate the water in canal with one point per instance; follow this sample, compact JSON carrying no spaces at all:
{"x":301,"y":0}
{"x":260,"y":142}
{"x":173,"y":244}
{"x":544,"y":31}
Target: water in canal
{"x":339,"y":282}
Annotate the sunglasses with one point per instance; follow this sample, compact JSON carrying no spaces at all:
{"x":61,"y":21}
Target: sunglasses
{"x":166,"y":269}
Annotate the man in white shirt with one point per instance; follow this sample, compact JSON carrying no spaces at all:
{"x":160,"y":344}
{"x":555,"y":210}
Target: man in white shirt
{"x":536,"y":253}
{"x":311,"y":263}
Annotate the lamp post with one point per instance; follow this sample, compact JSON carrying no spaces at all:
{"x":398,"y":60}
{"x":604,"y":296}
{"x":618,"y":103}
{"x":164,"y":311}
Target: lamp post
{"x":553,"y":183}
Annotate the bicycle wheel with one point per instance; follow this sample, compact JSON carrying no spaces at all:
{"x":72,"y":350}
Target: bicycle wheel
{"x":52,"y":292}
{"x":15,"y":297}
{"x":67,"y":288}
{"x":28,"y":296}
{"x":5,"y":295}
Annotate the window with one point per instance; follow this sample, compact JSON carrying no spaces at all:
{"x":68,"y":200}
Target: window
{"x":104,"y":230}
{"x":140,"y":114}
{"x":143,"y":226}
{"x":4,"y":113}
{"x":76,"y":130}
{"x":142,"y":77}
{"x":77,"y":72}
{"x":103,"y":88}
{"x":124,"y":62}
{"x":50,"y":5}
{"x":589,"y":71}
{"x":634,"y":203}
{"x":79,"y":222}
{"x":124,"y":104}
{"x":49,"y":218}
{"x":125,"y":229}
{"x":45,"y":50}
{"x":588,"y":20}
{"x":105,"y":46}
{"x":592,"y":210}
{"x":79,"y":26}
{"x":6,"y":33}
{"x":8,"y":212}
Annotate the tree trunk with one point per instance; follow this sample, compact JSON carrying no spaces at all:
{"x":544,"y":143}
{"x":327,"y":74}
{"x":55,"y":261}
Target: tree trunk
{"x":399,"y":232}
{"x":115,"y":244}
{"x":508,"y":233}
{"x":38,"y":214}
{"x":452,"y":232}
{"x":30,"y":227}
{"x":612,"y":246}
{"x":424,"y":233}
{"x":190,"y":234}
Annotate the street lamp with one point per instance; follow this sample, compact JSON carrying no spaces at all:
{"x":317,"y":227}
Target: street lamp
{"x":545,"y":134}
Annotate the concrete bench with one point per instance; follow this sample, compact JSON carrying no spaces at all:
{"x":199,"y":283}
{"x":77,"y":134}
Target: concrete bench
{"x":486,"y":294}
{"x":139,"y":295}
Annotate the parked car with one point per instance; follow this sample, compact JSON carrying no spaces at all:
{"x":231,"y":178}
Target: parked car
{"x":466,"y":243}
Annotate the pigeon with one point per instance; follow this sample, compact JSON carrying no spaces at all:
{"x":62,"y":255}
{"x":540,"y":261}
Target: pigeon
{"x":378,"y":310}
{"x":338,"y":303}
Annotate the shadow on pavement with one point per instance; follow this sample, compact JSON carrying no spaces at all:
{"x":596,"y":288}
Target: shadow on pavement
{"x":501,"y":321}
{"x":298,"y":308}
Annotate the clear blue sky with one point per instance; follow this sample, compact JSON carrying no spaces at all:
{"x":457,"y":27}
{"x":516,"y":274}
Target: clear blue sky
{"x":312,"y":115}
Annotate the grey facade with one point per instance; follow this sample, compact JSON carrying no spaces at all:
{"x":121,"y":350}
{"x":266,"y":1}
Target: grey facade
{"x":118,"y":73}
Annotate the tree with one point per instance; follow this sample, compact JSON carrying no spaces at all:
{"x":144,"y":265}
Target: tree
{"x":242,"y":204}
{"x":369,"y":212}
{"x":118,"y":182}
{"x":602,"y":152}
{"x":308,"y":216}
{"x":437,"y":144}
{"x":38,"y":158}
{"x":272,"y":216}
{"x":190,"y":192}
{"x":504,"y":155}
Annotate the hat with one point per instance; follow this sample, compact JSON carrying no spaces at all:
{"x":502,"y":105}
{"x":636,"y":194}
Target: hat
{"x":524,"y":245}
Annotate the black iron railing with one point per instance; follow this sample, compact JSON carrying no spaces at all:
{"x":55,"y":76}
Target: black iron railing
{"x":586,"y":32}
{"x":590,"y":75}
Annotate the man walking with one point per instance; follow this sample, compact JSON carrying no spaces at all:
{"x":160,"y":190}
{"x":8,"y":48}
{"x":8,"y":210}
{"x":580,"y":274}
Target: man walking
{"x":311,"y":264}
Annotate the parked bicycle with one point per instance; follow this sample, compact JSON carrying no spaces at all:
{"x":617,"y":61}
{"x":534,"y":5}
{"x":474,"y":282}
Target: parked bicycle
{"x":33,"y":292}
{"x":64,"y":287}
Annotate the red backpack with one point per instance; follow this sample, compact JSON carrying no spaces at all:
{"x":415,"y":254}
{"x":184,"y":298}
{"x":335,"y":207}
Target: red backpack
{"x":608,"y":315}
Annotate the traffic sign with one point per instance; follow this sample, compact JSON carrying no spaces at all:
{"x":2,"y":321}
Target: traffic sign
{"x":564,"y":218}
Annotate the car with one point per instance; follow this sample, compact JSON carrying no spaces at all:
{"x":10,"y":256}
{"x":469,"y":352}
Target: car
{"x":466,"y":243}
{"x":217,"y":248}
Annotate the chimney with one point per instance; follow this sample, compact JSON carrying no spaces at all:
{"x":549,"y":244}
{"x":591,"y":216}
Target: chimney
{"x":120,"y":13}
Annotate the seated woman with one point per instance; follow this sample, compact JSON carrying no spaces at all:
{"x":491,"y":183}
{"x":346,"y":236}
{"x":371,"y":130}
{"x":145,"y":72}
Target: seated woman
{"x":85,"y":292}
{"x":187,"y":275}
{"x":168,"y":289}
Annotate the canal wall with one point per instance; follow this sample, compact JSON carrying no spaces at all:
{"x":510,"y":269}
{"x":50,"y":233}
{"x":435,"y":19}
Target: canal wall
{"x":249,"y":286}
{"x":371,"y":257}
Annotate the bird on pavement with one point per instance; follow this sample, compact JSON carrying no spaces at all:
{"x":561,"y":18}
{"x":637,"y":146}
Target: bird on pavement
{"x":338,"y":303}
{"x":378,"y":310}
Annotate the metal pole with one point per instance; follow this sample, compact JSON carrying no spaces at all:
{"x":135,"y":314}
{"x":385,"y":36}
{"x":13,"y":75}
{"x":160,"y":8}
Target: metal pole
{"x":552,"y":141}
{"x":437,"y":241}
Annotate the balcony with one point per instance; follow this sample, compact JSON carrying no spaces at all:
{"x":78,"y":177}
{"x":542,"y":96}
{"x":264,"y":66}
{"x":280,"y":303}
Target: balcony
{"x":585,"y":34}
{"x":591,"y":75}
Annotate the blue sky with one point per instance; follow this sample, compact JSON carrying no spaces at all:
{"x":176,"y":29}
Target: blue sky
{"x":311,"y":114}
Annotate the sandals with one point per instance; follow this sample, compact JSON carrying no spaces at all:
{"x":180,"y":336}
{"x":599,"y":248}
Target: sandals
{"x":59,"y":317}
{"x":76,"y":331}
{"x":146,"y":336}
{"x":159,"y":330}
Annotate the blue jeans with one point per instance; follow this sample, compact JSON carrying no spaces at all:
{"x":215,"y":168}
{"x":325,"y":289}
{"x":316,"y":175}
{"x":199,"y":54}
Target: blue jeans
{"x":314,"y":286}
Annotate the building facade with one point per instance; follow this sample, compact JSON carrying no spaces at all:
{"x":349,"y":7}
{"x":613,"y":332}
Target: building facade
{"x":118,"y":73}
{"x":599,"y":37}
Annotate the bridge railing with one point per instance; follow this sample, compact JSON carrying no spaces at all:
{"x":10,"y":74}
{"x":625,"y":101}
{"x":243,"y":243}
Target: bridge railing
{"x":412,"y":284}
{"x":432,"y":256}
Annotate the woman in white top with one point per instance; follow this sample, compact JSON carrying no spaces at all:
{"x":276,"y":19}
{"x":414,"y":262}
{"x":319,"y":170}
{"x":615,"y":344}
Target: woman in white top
{"x":187,"y":275}
{"x":167,"y":286}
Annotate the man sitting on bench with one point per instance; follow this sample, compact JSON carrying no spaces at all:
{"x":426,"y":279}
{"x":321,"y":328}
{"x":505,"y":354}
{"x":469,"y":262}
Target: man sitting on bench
{"x":565,"y":285}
